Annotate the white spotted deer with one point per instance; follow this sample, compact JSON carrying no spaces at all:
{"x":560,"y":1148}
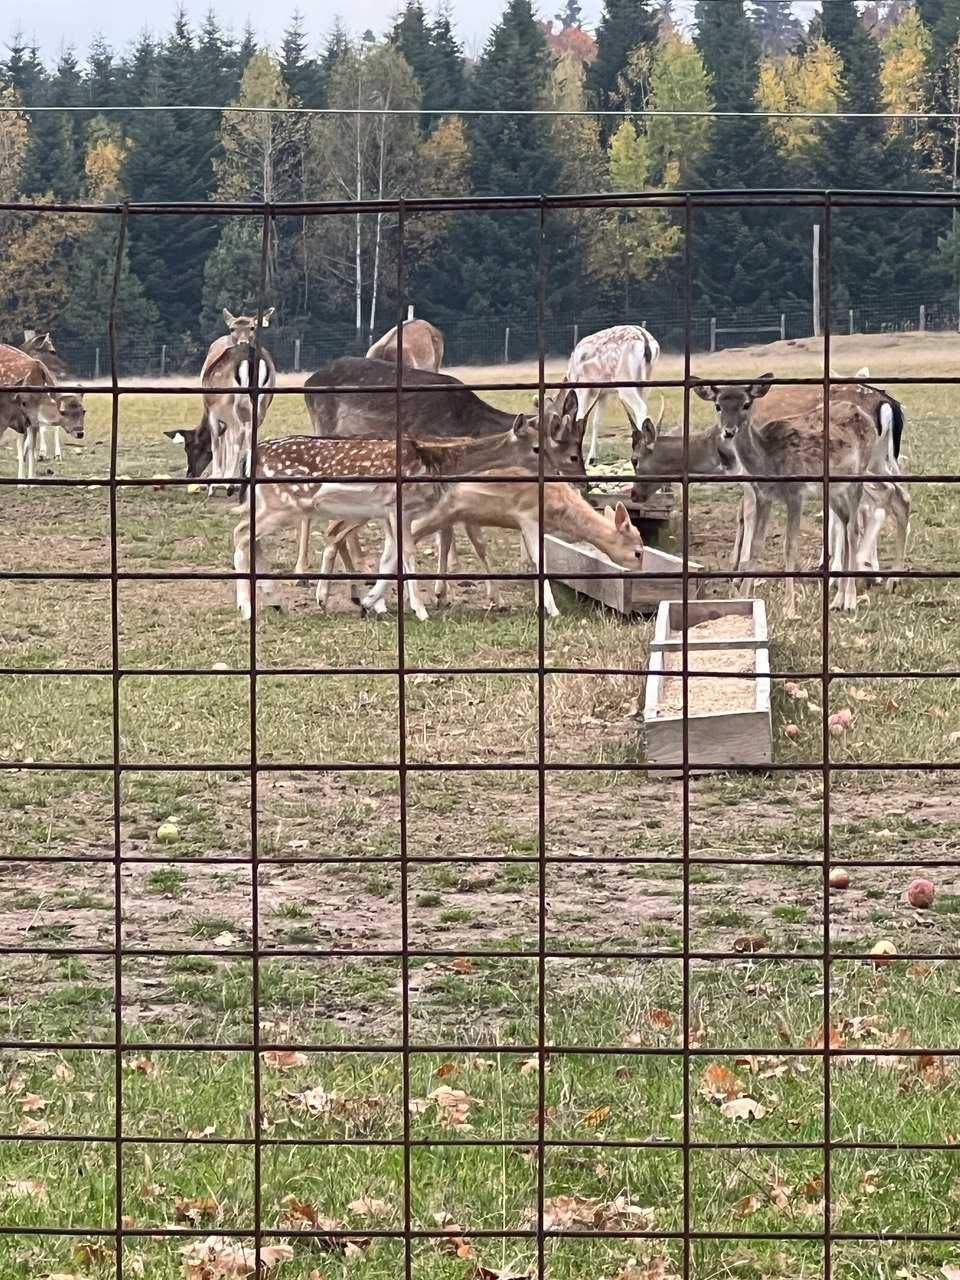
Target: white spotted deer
{"x":625,"y":353}
{"x":296,"y":467}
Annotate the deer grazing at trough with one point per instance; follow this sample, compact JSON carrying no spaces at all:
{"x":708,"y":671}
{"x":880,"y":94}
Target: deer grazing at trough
{"x":433,"y":406}
{"x":231,"y":381}
{"x":422,"y":346}
{"x":517,"y":448}
{"x":626,"y":353}
{"x":496,"y":504}
{"x":296,"y":466}
{"x":795,"y":446}
{"x":31,"y":386}
{"x":65,"y":410}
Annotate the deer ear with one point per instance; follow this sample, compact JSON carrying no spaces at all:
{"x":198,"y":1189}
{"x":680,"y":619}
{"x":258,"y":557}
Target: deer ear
{"x":570,"y":404}
{"x":647,"y":434}
{"x":705,"y":391}
{"x":621,"y":517}
{"x":609,"y":514}
{"x":29,"y":335}
{"x":521,"y":427}
{"x":228,"y":319}
{"x":862,"y":373}
{"x":265,"y":318}
{"x":760,"y":387}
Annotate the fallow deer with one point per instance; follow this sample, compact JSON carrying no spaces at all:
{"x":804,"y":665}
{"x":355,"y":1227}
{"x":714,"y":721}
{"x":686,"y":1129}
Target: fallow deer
{"x":795,"y":446}
{"x":566,"y":513}
{"x":296,"y":466}
{"x":625,"y":353}
{"x":422,"y":346}
{"x":30,"y":385}
{"x":230,"y":384}
{"x":54,"y":412}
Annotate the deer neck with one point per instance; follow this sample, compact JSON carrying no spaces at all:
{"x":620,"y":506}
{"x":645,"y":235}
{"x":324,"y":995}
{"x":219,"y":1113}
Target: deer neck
{"x":568,"y":514}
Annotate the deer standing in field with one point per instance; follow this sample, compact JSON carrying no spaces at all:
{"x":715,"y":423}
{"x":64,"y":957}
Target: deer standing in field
{"x":64,"y":410}
{"x":228,"y":378}
{"x":795,"y":446}
{"x":626,"y":353}
{"x":297,"y":465}
{"x":422,"y":346}
{"x":20,"y":407}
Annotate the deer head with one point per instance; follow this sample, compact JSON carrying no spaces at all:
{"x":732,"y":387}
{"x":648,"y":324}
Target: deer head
{"x":243,"y":328}
{"x":196,"y":445}
{"x":625,"y":545}
{"x":643,"y":450}
{"x":733,"y":404}
{"x":72,"y":413}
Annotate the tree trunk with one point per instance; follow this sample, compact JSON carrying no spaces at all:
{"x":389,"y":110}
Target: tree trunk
{"x":376,"y":250}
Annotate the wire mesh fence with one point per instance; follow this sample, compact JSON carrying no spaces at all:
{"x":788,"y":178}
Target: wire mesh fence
{"x":678,"y":1149}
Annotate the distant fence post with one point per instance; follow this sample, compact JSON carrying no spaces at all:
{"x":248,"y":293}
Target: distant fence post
{"x":96,"y":362}
{"x":163,"y":359}
{"x":783,"y":326}
{"x":576,"y":335}
{"x":923,"y":317}
{"x":713,"y":334}
{"x":296,"y":355}
{"x":506,"y":345}
{"x":850,"y":317}
{"x":410,"y":311}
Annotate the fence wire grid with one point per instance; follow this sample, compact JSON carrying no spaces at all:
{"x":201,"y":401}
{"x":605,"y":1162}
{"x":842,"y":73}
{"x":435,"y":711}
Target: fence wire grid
{"x":687,"y":1049}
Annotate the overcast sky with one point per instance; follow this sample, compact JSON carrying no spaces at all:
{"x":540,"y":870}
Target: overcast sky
{"x":55,"y":23}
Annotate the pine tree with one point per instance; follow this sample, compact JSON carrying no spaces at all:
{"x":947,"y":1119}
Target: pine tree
{"x":571,"y":15}
{"x":742,"y":258}
{"x":445,"y":88}
{"x":213,"y":54}
{"x":887,"y":250}
{"x":510,"y":155}
{"x":335,"y":49}
{"x":101,"y":83}
{"x":624,"y":26}
{"x":778,"y":27}
{"x":300,"y":71}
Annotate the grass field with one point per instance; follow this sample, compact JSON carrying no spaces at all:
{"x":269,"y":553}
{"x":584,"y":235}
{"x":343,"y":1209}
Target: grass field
{"x":473,"y":903}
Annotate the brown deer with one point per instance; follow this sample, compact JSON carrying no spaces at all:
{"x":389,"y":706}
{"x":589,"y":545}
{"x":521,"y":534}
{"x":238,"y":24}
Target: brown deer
{"x":31,"y":385}
{"x":795,"y":446}
{"x":67,"y":408}
{"x":227,"y":378}
{"x":422,"y":345}
{"x":517,"y":506}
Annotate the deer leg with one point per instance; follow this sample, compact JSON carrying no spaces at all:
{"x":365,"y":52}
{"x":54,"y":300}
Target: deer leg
{"x":42,"y":441}
{"x":408,"y":556}
{"x":374,"y":599}
{"x":531,"y":537}
{"x":267,"y":522}
{"x":57,"y":451}
{"x":794,"y":508}
{"x":303,"y":550}
{"x":479,"y":544}
{"x":747,"y":536}
{"x":591,"y":401}
{"x":444,"y":539}
{"x":901,"y":503}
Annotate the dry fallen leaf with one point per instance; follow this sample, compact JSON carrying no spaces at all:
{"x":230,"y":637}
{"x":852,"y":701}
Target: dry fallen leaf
{"x":284,"y":1059}
{"x":446,"y":1069}
{"x":216,"y":1257}
{"x":748,"y":1206}
{"x":28,"y":1189}
{"x":750,"y":942}
{"x":145,"y":1066}
{"x":529,"y":1065}
{"x":815,"y":1040}
{"x":861,"y":695}
{"x":719,"y":1084}
{"x":31,"y":1102}
{"x":743,"y":1109}
{"x":463,"y":964}
{"x":195,"y":1211}
{"x":595,"y":1117}
{"x":663,"y":1019}
{"x":63,"y":1072}
{"x":92,"y":1253}
{"x":368,"y":1208}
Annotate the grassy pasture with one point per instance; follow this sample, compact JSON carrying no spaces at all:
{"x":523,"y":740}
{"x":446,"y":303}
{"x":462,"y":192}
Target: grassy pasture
{"x":474,"y":888}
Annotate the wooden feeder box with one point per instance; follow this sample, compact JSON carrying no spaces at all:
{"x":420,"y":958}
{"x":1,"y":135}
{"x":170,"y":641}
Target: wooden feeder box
{"x":728,"y":719}
{"x":626,"y":592}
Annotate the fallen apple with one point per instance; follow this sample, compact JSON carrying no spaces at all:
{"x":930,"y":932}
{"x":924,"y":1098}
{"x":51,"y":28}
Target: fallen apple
{"x":167,"y":832}
{"x":792,"y":730}
{"x":839,"y":878}
{"x":881,"y":952}
{"x":920,"y":893}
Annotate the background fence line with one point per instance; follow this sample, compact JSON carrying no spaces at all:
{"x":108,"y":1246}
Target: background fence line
{"x":496,"y":340}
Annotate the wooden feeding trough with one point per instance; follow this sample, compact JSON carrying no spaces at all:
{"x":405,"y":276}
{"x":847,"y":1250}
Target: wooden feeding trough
{"x":626,"y":593}
{"x":728,"y":719}
{"x":650,"y":517}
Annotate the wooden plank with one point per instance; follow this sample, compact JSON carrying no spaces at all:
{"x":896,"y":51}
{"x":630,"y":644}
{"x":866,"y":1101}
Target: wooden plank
{"x":717,"y":738}
{"x":627,"y":593}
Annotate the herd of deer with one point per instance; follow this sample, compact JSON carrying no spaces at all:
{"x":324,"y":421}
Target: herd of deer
{"x":470,"y":464}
